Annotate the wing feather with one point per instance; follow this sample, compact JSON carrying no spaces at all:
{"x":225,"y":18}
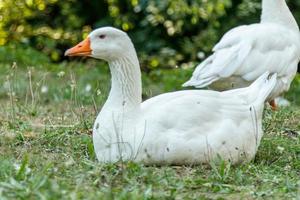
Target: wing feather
{"x":248,"y":52}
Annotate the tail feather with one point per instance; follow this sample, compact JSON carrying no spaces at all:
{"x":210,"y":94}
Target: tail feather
{"x":212,"y":68}
{"x":200,"y":83}
{"x":259,"y":91}
{"x":202,"y":76}
{"x":263,"y":86}
{"x":222,"y":64}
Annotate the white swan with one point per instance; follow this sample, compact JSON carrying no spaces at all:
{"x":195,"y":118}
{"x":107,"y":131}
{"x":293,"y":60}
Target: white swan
{"x":186,"y":127}
{"x":246,"y":52}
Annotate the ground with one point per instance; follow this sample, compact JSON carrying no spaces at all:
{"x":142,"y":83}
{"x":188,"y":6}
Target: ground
{"x":46,"y":149}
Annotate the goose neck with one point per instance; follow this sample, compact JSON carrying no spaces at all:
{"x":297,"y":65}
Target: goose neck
{"x":277,"y":11}
{"x":126,"y":86}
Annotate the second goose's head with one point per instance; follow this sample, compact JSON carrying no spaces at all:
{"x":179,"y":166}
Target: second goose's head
{"x":104,"y":43}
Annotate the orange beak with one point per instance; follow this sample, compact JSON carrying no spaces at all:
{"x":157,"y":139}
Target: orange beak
{"x":81,"y":49}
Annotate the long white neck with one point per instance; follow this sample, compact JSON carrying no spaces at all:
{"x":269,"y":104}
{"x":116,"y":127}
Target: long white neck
{"x":126,"y":86}
{"x":277,"y":11}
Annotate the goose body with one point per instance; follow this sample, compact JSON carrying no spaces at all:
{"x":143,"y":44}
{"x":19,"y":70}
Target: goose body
{"x":246,"y":52}
{"x":185,"y":127}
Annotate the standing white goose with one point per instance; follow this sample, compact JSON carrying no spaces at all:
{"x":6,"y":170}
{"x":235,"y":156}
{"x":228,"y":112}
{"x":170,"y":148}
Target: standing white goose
{"x":246,"y":52}
{"x":186,"y":127}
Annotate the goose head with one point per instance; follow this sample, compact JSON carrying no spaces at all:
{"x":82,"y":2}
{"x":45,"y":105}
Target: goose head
{"x":105,"y":43}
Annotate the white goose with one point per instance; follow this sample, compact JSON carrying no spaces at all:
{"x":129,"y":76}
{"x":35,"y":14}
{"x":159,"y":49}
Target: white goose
{"x":186,"y":127}
{"x":246,"y":52}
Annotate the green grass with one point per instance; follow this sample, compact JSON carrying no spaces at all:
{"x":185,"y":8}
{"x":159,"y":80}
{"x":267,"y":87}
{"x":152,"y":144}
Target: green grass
{"x":46,"y":150}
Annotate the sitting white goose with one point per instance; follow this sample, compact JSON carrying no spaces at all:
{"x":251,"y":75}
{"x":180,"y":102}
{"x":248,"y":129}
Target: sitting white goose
{"x":246,"y":52}
{"x":186,"y":127}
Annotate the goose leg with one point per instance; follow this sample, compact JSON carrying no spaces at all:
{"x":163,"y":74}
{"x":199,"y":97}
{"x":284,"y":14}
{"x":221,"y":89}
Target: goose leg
{"x":273,"y":105}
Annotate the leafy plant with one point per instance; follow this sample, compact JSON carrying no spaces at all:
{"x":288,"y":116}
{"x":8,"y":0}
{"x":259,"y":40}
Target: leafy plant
{"x":167,"y":33}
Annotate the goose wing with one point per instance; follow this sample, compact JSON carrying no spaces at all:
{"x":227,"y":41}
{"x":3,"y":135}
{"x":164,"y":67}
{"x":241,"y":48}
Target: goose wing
{"x":248,"y":52}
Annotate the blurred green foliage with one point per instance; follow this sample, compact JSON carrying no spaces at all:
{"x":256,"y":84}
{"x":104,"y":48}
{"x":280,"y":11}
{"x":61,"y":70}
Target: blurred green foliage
{"x":167,"y":33}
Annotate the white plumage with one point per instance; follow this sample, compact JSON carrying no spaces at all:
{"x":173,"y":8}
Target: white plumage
{"x":246,"y":52}
{"x":186,"y":127}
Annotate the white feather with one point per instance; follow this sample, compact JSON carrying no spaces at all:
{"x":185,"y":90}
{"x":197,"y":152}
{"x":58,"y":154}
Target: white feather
{"x":186,"y":127}
{"x":246,"y":52}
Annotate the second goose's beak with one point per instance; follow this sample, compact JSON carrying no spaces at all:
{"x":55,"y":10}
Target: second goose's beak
{"x":81,"y":49}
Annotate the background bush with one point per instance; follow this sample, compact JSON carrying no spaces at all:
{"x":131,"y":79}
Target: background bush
{"x":167,"y":33}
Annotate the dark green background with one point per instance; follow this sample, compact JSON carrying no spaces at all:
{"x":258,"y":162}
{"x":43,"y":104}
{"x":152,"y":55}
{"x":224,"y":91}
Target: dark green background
{"x":167,"y":33}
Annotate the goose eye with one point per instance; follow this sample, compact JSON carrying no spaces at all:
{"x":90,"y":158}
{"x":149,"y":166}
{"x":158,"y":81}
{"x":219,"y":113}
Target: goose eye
{"x":102,"y":36}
